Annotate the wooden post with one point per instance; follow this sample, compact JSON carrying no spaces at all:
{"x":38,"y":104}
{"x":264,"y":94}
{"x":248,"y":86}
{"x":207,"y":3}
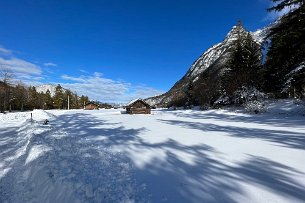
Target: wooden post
{"x":68,"y":102}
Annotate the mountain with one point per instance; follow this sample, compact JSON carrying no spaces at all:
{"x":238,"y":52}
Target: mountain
{"x":45,"y":87}
{"x":211,"y":62}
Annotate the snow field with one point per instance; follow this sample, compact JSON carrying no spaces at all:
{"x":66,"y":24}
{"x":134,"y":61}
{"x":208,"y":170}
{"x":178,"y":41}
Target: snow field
{"x":169,"y":156}
{"x":51,"y":166}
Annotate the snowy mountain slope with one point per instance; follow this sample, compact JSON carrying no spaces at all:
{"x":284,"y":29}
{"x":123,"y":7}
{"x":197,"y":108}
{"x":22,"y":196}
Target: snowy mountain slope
{"x":211,"y":60}
{"x":45,"y":88}
{"x":211,"y":55}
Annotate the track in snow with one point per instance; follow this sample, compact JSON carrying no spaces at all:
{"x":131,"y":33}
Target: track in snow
{"x":61,"y":166}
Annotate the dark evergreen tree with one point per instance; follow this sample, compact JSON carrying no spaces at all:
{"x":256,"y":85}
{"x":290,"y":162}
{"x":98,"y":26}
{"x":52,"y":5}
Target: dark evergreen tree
{"x":281,"y":4}
{"x":190,"y":94}
{"x":58,"y":97}
{"x":83,"y":101}
{"x":21,"y":97}
{"x":76,"y":101}
{"x":252,"y":68}
{"x":206,"y":89}
{"x":287,"y":48}
{"x":49,"y":104}
{"x":243,"y":65}
{"x":33,"y":98}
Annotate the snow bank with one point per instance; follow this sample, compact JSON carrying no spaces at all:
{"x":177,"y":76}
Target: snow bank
{"x":286,"y":106}
{"x":40,"y":115}
{"x":20,"y":116}
{"x":17,"y":117}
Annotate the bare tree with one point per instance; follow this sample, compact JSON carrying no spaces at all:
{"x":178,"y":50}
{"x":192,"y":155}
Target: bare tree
{"x":6,"y":77}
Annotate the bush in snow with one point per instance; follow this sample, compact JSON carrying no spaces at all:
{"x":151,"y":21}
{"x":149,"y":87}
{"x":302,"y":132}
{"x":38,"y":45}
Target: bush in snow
{"x":205,"y":107}
{"x":172,"y":108}
{"x":298,"y":102}
{"x":247,"y":94}
{"x":244,"y":96}
{"x":223,"y":100}
{"x":255,"y":107}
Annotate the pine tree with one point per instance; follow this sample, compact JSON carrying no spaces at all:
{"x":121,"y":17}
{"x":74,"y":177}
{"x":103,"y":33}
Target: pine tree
{"x":48,"y":100}
{"x":76,"y":101}
{"x":206,"y":89}
{"x":282,"y":4}
{"x":189,"y":94}
{"x":84,"y":100}
{"x":252,"y":66}
{"x":243,"y":65}
{"x":58,"y":97}
{"x":287,"y":48}
{"x":33,"y":98}
{"x":20,"y":93}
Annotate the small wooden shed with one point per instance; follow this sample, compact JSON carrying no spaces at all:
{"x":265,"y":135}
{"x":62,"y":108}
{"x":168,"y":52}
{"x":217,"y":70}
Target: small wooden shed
{"x":90,"y":106}
{"x":138,"y":106}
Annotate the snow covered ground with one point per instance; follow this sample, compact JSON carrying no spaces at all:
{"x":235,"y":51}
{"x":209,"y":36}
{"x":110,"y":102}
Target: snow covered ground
{"x":169,"y":156}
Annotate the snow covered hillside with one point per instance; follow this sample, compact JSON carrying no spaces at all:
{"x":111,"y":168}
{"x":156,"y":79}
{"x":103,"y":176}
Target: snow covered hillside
{"x":169,"y":156}
{"x":44,"y":88}
{"x":211,"y":61}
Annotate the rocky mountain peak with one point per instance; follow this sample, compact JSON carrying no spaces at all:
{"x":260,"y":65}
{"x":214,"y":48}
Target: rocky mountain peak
{"x":211,"y":61}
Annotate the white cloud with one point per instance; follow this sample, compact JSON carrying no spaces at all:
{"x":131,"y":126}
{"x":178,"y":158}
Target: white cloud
{"x":17,"y":65}
{"x":21,"y":69}
{"x":75,"y":79}
{"x":4,"y":51}
{"x":50,"y":64}
{"x":95,"y":85}
{"x":104,"y":89}
{"x":142,"y":91}
{"x":83,"y":71}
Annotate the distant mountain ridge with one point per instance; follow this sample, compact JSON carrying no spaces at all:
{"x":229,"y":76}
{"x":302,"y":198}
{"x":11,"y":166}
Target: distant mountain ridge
{"x":45,"y":87}
{"x":210,"y":62}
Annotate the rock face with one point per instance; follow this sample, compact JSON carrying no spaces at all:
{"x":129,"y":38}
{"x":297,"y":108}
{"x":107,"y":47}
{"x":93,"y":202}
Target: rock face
{"x":210,"y":62}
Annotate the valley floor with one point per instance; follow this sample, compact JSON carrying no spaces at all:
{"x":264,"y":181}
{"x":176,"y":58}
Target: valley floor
{"x":169,"y":156}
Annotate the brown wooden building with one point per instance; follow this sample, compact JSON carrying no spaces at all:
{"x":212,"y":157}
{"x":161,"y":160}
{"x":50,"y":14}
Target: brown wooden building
{"x":138,"y":106}
{"x":90,"y":106}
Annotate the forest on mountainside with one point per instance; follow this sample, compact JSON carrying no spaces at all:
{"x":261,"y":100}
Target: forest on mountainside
{"x":253,"y":71}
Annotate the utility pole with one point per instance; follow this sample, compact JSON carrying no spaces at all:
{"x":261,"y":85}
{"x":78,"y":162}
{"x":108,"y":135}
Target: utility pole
{"x":68,"y":102}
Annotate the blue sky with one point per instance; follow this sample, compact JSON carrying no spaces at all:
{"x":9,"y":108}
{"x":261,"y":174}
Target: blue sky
{"x":119,"y":49}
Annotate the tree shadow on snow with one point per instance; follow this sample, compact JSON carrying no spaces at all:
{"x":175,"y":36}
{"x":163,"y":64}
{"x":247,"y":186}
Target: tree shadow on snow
{"x":278,"y":137}
{"x":65,"y":164}
{"x":279,"y":120}
{"x":207,"y":179}
{"x":78,"y":161}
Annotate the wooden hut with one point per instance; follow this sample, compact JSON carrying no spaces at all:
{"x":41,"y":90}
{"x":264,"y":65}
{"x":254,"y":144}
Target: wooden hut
{"x":138,"y":106}
{"x":90,"y":106}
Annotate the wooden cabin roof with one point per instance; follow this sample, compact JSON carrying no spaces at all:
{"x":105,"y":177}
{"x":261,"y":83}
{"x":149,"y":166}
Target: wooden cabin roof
{"x":91,"y":103}
{"x":138,"y":100}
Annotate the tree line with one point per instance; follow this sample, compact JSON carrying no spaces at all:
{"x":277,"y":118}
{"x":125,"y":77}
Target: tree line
{"x":21,"y":97}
